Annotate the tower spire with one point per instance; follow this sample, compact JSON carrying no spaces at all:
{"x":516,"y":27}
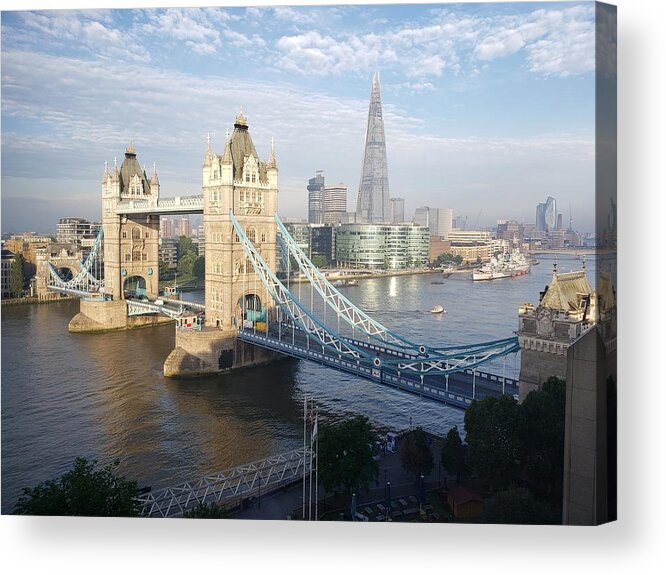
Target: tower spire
{"x":373,"y":204}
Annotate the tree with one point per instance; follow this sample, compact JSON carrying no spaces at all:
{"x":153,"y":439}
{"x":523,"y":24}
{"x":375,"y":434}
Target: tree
{"x":164,"y":271}
{"x":493,"y":439}
{"x":17,"y":279}
{"x":82,"y":491}
{"x":185,"y":264}
{"x":319,"y":261}
{"x":207,"y":511}
{"x":518,"y":506}
{"x":199,"y":268}
{"x":346,"y":455}
{"x":186,"y":246}
{"x":415,"y":454}
{"x":542,"y":438}
{"x":453,"y":453}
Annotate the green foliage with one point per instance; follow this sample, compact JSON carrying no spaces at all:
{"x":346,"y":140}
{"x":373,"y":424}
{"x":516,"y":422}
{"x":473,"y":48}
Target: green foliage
{"x":415,"y":454}
{"x":207,"y":511}
{"x":493,"y":438}
{"x":186,"y":263}
{"x":454,"y":453}
{"x":17,"y":279}
{"x":164,"y":271}
{"x":199,"y":267}
{"x":345,"y":455}
{"x":542,"y":438}
{"x":186,"y":246}
{"x":319,"y":261}
{"x":83,"y":491}
{"x":517,"y":506}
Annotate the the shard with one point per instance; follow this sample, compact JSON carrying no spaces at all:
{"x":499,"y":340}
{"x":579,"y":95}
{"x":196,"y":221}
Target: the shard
{"x":373,"y":205}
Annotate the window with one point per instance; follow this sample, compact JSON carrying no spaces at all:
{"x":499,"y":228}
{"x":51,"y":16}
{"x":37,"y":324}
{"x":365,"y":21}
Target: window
{"x":136,"y":233}
{"x":124,"y":235}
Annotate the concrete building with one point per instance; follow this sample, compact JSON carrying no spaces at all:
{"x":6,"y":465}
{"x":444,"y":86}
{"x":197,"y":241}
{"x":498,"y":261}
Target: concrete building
{"x":441,"y":222}
{"x":75,"y":230}
{"x":387,"y":246}
{"x":27,"y":245}
{"x":334,"y":204}
{"x":422,"y":216}
{"x":183,"y":227}
{"x":472,"y":246}
{"x":166,"y":228}
{"x":373,"y":192}
{"x":168,"y":252}
{"x":397,"y":210}
{"x":6,"y":272}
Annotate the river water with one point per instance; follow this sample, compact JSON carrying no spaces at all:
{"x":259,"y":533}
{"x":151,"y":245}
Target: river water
{"x":104,"y":397}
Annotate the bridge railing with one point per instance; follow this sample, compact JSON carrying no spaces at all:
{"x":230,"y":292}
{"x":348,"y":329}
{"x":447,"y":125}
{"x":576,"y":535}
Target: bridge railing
{"x":228,"y":488}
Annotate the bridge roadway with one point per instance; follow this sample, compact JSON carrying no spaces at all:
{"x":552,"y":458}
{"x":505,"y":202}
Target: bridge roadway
{"x":456,"y":389}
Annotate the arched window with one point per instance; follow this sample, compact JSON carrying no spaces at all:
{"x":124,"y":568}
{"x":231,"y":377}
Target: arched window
{"x":136,"y":233}
{"x":252,"y":235}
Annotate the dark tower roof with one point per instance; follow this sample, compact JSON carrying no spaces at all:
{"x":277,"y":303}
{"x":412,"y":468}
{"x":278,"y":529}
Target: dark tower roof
{"x":131,"y":167}
{"x":241,"y":146}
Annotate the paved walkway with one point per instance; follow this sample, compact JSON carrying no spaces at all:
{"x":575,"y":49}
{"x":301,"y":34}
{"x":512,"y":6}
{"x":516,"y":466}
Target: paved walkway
{"x":283,"y":503}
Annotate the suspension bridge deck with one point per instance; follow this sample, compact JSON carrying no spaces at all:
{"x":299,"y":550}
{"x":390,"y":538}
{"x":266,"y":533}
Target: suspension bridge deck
{"x":457,"y":389}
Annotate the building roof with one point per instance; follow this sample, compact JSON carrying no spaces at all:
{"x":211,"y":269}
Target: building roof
{"x":565,"y":291}
{"x":131,"y":167}
{"x":461,"y":494}
{"x":241,"y":145}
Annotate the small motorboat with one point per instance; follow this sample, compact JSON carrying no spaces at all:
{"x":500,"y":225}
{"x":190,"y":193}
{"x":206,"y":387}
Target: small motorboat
{"x":438,"y":309}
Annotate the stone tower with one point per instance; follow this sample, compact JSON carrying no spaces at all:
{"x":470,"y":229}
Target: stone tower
{"x":130,"y":241}
{"x":373,"y":204}
{"x":237,"y":181}
{"x":569,"y":307}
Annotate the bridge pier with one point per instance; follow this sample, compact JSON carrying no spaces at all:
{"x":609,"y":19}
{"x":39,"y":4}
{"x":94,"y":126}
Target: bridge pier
{"x":109,"y":315}
{"x":212,"y":351}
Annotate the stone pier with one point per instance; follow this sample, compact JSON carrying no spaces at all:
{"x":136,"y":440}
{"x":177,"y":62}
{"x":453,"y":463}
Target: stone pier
{"x":211,"y":351}
{"x":100,"y":316}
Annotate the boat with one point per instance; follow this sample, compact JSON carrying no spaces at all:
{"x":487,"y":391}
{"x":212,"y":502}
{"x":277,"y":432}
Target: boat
{"x":504,"y":266}
{"x":438,"y":309}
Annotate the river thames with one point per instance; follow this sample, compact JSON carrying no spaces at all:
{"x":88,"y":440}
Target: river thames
{"x":104,"y":397}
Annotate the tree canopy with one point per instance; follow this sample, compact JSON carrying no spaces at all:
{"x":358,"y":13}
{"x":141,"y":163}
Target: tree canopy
{"x":493,"y":438}
{"x":17,"y":278}
{"x":415,"y":453}
{"x":186,"y":246}
{"x":346,"y":455}
{"x":199,"y":267}
{"x":542,"y":438}
{"x":517,"y":506}
{"x":453,"y":453}
{"x":84,"y":491}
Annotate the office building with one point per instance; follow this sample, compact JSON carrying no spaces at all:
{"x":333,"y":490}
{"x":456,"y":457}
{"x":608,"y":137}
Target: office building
{"x":316,"y":187}
{"x":74,"y":230}
{"x":397,"y":210}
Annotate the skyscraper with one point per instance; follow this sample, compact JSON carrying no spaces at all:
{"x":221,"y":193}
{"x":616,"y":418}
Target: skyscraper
{"x":315,"y":198}
{"x":397,"y":210}
{"x":373,"y":193}
{"x":546,"y":215}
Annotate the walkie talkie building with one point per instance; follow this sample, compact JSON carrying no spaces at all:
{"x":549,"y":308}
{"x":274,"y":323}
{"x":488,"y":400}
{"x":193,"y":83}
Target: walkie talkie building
{"x":373,"y":204}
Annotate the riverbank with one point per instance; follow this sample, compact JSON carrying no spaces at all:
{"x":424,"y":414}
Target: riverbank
{"x":34,"y":299}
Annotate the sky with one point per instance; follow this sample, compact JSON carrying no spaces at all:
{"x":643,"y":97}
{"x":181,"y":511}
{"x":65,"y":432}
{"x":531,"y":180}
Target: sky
{"x":488,"y":108}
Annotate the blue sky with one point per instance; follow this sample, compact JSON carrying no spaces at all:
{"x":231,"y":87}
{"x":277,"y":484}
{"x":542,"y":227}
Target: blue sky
{"x":488,"y":108}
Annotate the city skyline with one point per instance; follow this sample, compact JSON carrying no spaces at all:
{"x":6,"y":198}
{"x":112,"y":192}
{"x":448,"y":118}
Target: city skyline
{"x":485,"y":106}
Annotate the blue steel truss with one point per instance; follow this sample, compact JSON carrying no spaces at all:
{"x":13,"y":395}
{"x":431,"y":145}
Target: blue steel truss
{"x":84,"y":282}
{"x":440,"y":361}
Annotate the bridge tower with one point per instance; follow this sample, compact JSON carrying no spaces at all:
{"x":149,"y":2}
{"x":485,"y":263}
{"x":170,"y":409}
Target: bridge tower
{"x":130,"y":242}
{"x":237,"y":181}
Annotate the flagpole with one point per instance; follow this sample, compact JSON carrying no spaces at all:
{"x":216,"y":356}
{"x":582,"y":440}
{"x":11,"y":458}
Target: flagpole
{"x":305,"y":418}
{"x":310,"y":494}
{"x":317,"y":467}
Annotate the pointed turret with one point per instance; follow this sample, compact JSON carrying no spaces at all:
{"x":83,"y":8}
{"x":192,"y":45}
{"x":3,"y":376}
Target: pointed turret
{"x":105,"y":175}
{"x":272,"y":163}
{"x":116,"y":175}
{"x":154,"y":181}
{"x":226,"y":156}
{"x":208,"y":158}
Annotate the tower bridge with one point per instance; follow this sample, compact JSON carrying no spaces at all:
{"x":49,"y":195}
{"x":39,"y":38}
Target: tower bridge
{"x":250,"y":316}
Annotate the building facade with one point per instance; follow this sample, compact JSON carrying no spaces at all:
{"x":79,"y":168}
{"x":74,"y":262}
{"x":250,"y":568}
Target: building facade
{"x":546,"y":215}
{"x":397,"y":210}
{"x":382,"y":247}
{"x":6,"y":272}
{"x":373,"y":204}
{"x":334,"y":204}
{"x":316,"y":188}
{"x":76,"y":230}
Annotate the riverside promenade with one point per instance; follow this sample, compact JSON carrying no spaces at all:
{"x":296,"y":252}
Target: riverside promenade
{"x":288,"y":503}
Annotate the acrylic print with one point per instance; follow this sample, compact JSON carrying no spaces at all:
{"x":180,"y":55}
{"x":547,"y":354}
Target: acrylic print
{"x":314,"y":263}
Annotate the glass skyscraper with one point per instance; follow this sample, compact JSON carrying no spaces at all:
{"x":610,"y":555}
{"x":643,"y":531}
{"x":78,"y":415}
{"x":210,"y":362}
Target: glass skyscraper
{"x":373,"y":205}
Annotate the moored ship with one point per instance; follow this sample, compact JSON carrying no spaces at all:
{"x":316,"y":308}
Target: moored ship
{"x":500,"y":267}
